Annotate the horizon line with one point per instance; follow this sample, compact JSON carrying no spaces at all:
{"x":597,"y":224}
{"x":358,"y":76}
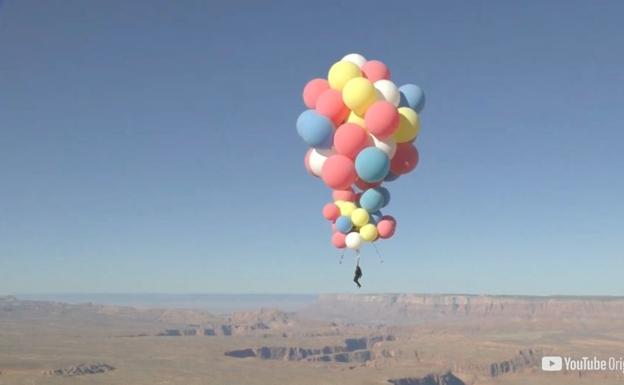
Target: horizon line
{"x":250,"y":294}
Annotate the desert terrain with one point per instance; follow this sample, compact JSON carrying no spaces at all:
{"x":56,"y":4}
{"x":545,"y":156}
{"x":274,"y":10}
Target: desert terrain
{"x":367,"y":339}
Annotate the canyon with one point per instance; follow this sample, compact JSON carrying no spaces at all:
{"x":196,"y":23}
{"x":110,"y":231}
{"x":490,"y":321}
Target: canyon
{"x":367,"y":339}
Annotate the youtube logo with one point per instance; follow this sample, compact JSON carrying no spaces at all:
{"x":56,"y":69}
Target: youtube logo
{"x":552,"y":363}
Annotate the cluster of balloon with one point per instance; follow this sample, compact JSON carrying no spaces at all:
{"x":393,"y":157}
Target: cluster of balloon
{"x":361,"y":130}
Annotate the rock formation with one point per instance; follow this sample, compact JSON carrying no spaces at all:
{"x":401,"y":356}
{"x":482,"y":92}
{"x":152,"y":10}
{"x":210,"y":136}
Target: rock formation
{"x":82,"y":369}
{"x":524,"y":359}
{"x":241,"y":323}
{"x":417,"y":308}
{"x":354,"y":350}
{"x":447,"y":378}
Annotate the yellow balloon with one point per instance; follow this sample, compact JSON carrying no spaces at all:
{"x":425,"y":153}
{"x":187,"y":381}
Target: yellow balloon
{"x":368,"y":232}
{"x":359,"y":217}
{"x":347,"y":208}
{"x":354,"y":118}
{"x":358,"y":94}
{"x":409,"y":125}
{"x":341,"y":72}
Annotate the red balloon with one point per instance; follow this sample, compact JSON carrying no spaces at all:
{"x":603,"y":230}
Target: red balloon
{"x":405,"y":159}
{"x":382,"y":119}
{"x":330,"y":104}
{"x":313,"y":90}
{"x":338,"y":172}
{"x":344,"y":195}
{"x":389,"y":218}
{"x":331,"y":212}
{"x":338,"y":240}
{"x":375,"y":70}
{"x":386,"y":227}
{"x":350,"y":139}
{"x":362,"y":185}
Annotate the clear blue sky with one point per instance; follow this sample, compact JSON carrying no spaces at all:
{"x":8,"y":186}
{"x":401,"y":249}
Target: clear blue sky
{"x":149,"y":146}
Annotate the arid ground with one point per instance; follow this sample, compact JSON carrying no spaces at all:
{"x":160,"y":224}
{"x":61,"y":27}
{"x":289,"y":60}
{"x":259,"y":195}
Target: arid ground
{"x":401,"y":339}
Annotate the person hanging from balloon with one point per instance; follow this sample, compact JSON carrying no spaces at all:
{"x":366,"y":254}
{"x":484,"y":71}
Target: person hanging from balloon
{"x":361,"y":130}
{"x":358,"y":273}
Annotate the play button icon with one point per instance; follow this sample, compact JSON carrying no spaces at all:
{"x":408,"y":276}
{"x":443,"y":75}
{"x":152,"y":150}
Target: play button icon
{"x":552,"y":363}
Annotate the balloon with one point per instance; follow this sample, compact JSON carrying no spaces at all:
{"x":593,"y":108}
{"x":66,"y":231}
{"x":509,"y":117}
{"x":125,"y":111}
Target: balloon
{"x":347,"y":208}
{"x":331,"y":212}
{"x":386,"y":227}
{"x":330,"y":104}
{"x":338,"y":172}
{"x":388,"y":91}
{"x":409,"y":126}
{"x":412,"y":96}
{"x":391,"y":176}
{"x":343,"y":224}
{"x":359,"y":217}
{"x":386,"y":195}
{"x":355,"y":119}
{"x":362,"y":185}
{"x":375,"y":70}
{"x":313,"y":90}
{"x":338,"y":240}
{"x":306,"y":162}
{"x":389,"y":218}
{"x":358,"y":94}
{"x":387,"y":145}
{"x":368,"y":232}
{"x":353,"y":240}
{"x":315,"y":129}
{"x":372,"y":164}
{"x":355,"y":58}
{"x":339,"y":204}
{"x":317,"y":160}
{"x":344,"y":195}
{"x":382,"y":119}
{"x":350,"y":139}
{"x":361,"y":129}
{"x":341,"y":72}
{"x":376,"y":217}
{"x":372,"y":200}
{"x":405,"y":159}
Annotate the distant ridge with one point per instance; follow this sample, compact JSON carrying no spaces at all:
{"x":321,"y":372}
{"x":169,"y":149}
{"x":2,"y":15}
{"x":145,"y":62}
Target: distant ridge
{"x":219,"y":303}
{"x":425,"y":308}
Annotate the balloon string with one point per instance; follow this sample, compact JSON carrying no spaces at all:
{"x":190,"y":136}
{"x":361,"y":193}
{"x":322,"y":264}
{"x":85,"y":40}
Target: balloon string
{"x":341,"y":257}
{"x":357,"y":257}
{"x":378,"y":254}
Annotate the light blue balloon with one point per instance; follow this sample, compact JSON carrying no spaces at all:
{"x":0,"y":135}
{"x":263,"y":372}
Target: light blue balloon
{"x":372,"y":165}
{"x":315,"y":129}
{"x":391,"y":177}
{"x":372,"y":200}
{"x":344,"y":224}
{"x":412,"y":96}
{"x":386,"y":194}
{"x":376,"y":217}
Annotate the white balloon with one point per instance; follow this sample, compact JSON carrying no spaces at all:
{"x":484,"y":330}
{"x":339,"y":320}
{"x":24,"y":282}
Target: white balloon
{"x":318,"y":158}
{"x":388,"y":91}
{"x":355,"y":58}
{"x":353,"y":240}
{"x":387,"y":145}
